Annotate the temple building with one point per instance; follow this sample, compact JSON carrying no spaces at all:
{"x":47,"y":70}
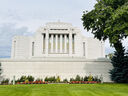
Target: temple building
{"x":57,"y":39}
{"x":56,"y":49}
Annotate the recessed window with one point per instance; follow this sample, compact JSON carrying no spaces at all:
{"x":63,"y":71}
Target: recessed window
{"x":14,"y":49}
{"x":32,"y":48}
{"x":83,"y":48}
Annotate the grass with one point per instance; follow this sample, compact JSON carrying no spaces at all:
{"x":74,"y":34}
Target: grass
{"x":65,"y":90}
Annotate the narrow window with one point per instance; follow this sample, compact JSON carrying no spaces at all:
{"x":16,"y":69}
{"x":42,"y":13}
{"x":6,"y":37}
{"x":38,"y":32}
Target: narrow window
{"x":83,"y":48}
{"x":44,"y":43}
{"x":14,"y":49}
{"x":32,"y":48}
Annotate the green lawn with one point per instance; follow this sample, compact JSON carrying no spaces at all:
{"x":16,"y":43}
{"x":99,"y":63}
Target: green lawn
{"x":65,"y":90}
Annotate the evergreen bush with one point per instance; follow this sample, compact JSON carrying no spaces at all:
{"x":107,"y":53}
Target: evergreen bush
{"x":119,"y":73}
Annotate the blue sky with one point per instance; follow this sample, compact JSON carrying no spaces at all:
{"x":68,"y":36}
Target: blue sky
{"x":24,"y":17}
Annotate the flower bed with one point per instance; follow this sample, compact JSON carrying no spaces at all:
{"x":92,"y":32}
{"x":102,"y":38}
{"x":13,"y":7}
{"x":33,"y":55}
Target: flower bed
{"x":72,"y":82}
{"x":53,"y":79}
{"x":84,"y":82}
{"x":33,"y":82}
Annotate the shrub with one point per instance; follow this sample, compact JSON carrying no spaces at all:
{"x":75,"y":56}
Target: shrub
{"x":86,"y":78}
{"x":50,"y":79}
{"x":96,"y":78}
{"x":58,"y":79}
{"x":46,"y":79}
{"x":90,"y":78}
{"x":78,"y":78}
{"x":65,"y":80}
{"x":72,"y":79}
{"x":82,"y":79}
{"x":18,"y":80}
{"x":39,"y":79}
{"x":26,"y":81}
{"x":30,"y":78}
{"x":23,"y":78}
{"x":53,"y":79}
{"x":5,"y":81}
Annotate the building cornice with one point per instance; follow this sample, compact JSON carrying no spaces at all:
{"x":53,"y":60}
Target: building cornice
{"x":56,"y":59}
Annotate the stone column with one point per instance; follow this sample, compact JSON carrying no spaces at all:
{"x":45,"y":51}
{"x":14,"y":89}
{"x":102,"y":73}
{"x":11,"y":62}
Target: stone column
{"x":46,"y":44}
{"x":56,"y":42}
{"x":70,"y":44}
{"x":52,"y":43}
{"x":65,"y":43}
{"x":60,"y":43}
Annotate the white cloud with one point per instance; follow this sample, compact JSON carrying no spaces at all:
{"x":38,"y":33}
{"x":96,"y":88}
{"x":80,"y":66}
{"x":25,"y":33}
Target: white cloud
{"x":7,"y":32}
{"x":21,"y":17}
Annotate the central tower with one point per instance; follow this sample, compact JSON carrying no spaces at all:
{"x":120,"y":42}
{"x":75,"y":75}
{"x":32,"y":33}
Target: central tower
{"x":58,"y":39}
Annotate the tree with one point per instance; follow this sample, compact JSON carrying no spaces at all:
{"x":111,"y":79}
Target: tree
{"x":108,"y":20}
{"x":110,"y":55}
{"x":0,"y":69}
{"x":1,"y":77}
{"x":119,"y":73}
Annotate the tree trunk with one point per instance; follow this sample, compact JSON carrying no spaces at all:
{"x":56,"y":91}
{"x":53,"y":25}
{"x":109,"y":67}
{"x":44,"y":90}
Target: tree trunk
{"x":119,"y":47}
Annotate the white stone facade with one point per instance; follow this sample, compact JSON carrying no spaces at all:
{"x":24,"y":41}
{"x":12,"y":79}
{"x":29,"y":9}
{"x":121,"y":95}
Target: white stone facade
{"x":57,"y":39}
{"x":57,"y":49}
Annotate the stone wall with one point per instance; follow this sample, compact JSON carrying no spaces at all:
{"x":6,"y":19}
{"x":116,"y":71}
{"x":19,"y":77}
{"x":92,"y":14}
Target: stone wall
{"x":65,"y":68}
